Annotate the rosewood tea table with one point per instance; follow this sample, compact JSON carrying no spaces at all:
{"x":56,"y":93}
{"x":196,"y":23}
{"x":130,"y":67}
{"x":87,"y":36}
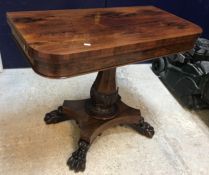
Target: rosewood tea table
{"x":66,"y":43}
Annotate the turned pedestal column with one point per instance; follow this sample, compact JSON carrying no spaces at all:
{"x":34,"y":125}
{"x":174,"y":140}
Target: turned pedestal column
{"x":66,"y":43}
{"x":102,"y":110}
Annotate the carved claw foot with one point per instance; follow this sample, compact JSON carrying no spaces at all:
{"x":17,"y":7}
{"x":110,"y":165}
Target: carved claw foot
{"x":144,"y":128}
{"x":77,"y":161}
{"x":55,"y":116}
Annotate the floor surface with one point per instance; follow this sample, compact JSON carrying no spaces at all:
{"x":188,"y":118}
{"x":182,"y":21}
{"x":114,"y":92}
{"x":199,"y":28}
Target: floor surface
{"x":29,"y":147}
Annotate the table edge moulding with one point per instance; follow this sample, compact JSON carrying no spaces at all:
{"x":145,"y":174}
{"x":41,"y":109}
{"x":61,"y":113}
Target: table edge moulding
{"x":66,"y":43}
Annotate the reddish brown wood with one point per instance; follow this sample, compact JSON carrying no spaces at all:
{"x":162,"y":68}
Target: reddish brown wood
{"x":64,"y":43}
{"x":105,"y":82}
{"x":91,"y":127}
{"x":104,"y":95}
{"x":104,"y":109}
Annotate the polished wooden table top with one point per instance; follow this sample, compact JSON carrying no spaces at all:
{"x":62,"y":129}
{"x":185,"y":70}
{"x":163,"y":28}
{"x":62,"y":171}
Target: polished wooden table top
{"x":64,"y":43}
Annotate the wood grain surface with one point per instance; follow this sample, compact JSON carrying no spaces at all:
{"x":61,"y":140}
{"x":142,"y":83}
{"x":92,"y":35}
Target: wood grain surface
{"x":64,"y":43}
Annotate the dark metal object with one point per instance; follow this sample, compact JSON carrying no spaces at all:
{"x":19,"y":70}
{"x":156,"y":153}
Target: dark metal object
{"x":186,"y":75}
{"x":201,"y":50}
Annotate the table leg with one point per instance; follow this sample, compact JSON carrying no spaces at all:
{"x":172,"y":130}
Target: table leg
{"x":56,"y":116}
{"x":104,"y":109}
